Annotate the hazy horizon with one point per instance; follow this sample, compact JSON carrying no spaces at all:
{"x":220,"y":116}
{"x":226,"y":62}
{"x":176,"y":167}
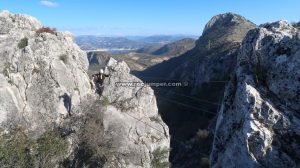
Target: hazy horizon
{"x":146,"y":18}
{"x":138,"y":36}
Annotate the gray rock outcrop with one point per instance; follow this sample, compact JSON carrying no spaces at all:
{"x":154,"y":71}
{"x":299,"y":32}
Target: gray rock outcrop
{"x":37,"y":70}
{"x":213,"y":59}
{"x":214,"y":56}
{"x":259,"y":121}
{"x":131,"y":121}
{"x":220,"y":40}
{"x":44,"y":85}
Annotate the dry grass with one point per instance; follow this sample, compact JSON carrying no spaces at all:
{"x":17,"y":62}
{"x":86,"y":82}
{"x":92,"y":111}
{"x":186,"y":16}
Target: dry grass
{"x":202,"y":133}
{"x":46,"y":30}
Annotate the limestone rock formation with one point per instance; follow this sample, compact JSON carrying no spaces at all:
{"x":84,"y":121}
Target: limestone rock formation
{"x":39,"y":73}
{"x":218,"y":44}
{"x":213,"y":59}
{"x":259,"y":121}
{"x":44,"y":86}
{"x":131,"y":122}
{"x":214,"y":56}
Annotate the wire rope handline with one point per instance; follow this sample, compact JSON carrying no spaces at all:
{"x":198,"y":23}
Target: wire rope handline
{"x":195,"y":98}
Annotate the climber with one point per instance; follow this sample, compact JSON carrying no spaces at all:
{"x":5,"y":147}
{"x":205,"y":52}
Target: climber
{"x":98,"y":80}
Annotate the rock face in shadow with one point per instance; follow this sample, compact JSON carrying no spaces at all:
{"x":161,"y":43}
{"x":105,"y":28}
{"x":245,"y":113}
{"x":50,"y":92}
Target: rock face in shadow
{"x":172,"y":49}
{"x":259,"y":122}
{"x":44,"y":86}
{"x":214,"y":56}
{"x":206,"y":68}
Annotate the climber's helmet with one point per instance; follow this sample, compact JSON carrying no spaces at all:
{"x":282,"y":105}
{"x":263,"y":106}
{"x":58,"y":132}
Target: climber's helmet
{"x":101,"y":71}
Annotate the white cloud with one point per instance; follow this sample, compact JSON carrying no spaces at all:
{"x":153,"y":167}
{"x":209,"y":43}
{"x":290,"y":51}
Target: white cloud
{"x":49,"y":3}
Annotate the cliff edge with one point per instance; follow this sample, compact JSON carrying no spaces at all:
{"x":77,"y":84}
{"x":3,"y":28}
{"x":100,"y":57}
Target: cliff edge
{"x":258,"y":124}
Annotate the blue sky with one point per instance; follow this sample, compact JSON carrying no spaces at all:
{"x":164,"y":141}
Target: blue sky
{"x":147,"y":17}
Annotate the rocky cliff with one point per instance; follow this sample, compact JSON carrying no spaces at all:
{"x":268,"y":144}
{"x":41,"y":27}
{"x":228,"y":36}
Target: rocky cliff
{"x":258,"y":124}
{"x":39,"y":71}
{"x":50,"y":115}
{"x":214,"y":56}
{"x":131,"y":124}
{"x":206,"y":68}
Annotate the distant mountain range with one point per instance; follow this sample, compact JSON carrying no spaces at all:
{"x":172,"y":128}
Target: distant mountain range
{"x":139,"y":60}
{"x":97,"y":42}
{"x":91,"y":42}
{"x":172,"y":49}
{"x":163,"y":39}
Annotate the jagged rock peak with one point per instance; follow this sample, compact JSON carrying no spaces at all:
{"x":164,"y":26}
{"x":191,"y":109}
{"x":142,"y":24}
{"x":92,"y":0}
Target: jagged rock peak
{"x":35,"y":70}
{"x":9,"y":21}
{"x":44,"y":85}
{"x":228,"y":28}
{"x":280,"y":27}
{"x":118,"y":66}
{"x":225,"y":20}
{"x":258,"y":124}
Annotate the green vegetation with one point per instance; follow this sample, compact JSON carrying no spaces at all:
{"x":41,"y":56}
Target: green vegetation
{"x":64,"y":58}
{"x":184,"y":127}
{"x":204,"y":162}
{"x":77,"y":89}
{"x":261,"y":74}
{"x":18,"y":150}
{"x":50,"y":146}
{"x":269,"y":127}
{"x":155,"y":119}
{"x":105,"y":101}
{"x":36,"y":70}
{"x":23,"y":43}
{"x":91,"y":150}
{"x":15,"y":150}
{"x":6,"y":69}
{"x":287,"y":95}
{"x":160,"y":157}
{"x":85,"y":155}
{"x":10,"y":82}
{"x":208,"y":45}
{"x":202,"y":133}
